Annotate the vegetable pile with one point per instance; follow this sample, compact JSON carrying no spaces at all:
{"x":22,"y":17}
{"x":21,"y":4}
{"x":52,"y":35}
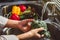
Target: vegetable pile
{"x":22,"y":12}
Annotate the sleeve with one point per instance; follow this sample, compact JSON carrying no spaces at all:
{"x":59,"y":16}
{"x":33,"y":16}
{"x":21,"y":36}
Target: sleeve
{"x":3,"y":21}
{"x":8,"y":37}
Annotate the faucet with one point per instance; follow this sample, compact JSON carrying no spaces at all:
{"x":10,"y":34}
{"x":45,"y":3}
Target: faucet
{"x":45,"y":7}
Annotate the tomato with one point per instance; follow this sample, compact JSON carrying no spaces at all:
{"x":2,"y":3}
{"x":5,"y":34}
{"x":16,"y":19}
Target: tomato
{"x":22,"y":7}
{"x":14,"y":17}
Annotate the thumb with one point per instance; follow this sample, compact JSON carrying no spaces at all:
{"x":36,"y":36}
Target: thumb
{"x":29,"y":20}
{"x":38,"y":35}
{"x":40,"y":29}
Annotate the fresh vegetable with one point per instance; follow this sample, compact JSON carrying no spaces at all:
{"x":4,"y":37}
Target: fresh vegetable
{"x":23,"y":8}
{"x":38,"y":24}
{"x":16,"y":10}
{"x":14,"y":17}
{"x":28,"y":15}
{"x":26,"y":11}
{"x":29,"y":8}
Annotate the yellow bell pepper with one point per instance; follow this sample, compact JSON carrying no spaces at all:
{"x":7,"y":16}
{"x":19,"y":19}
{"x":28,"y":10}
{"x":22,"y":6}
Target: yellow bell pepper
{"x":16,"y":10}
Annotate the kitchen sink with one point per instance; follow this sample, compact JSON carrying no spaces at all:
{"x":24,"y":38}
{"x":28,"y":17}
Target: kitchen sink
{"x":53,"y":28}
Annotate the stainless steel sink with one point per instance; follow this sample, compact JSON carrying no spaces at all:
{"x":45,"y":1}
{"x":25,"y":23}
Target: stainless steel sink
{"x":53,"y":28}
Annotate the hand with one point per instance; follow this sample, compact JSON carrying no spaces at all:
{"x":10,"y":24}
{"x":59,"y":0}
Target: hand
{"x":35,"y":33}
{"x":24,"y":26}
{"x":32,"y":33}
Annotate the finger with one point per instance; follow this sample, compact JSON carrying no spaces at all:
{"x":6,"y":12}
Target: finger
{"x":29,"y":24}
{"x":26,"y":21}
{"x":38,"y":35}
{"x":26,"y":28}
{"x":29,"y":20}
{"x":40,"y":29}
{"x":42,"y":35}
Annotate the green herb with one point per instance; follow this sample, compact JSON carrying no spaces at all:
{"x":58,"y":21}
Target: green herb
{"x":38,"y":24}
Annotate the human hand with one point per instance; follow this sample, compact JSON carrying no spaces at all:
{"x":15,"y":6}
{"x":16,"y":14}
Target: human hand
{"x":32,"y":33}
{"x":24,"y":26}
{"x":35,"y":33}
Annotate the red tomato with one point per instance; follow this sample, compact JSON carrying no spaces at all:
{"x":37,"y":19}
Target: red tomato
{"x":14,"y":17}
{"x":22,"y":8}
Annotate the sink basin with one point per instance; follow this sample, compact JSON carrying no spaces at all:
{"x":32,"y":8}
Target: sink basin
{"x":55,"y":32}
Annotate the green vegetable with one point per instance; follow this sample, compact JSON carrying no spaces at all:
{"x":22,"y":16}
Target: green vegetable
{"x":22,"y":17}
{"x":27,"y":11}
{"x":35,"y":16}
{"x":38,"y":24}
{"x":28,"y":15}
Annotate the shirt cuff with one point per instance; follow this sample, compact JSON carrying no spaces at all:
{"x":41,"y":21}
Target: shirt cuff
{"x":8,"y":37}
{"x":3,"y":21}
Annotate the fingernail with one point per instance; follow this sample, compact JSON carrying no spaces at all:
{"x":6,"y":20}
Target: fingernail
{"x":29,"y":23}
{"x":42,"y":35}
{"x":42,"y":28}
